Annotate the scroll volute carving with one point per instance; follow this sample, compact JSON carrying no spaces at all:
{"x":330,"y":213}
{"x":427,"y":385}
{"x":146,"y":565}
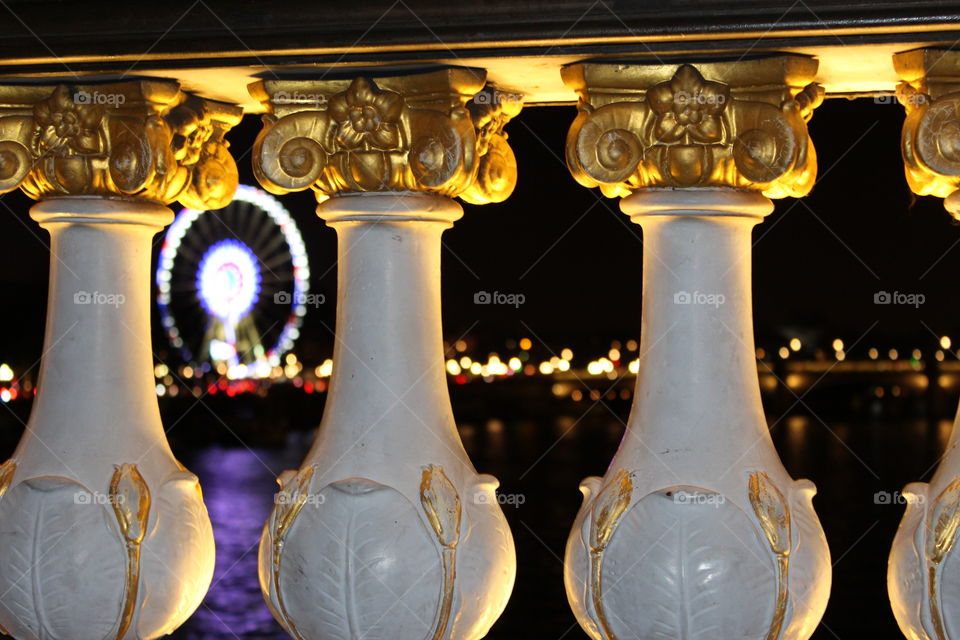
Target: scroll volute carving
{"x":404,"y":133}
{"x":647,"y":126}
{"x":930,"y":93}
{"x":492,"y":109}
{"x":142,"y":139}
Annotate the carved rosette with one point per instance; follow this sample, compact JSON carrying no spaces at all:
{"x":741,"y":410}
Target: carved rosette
{"x":439,"y":132}
{"x":735,"y":125}
{"x":136,"y":139}
{"x":930,"y":93}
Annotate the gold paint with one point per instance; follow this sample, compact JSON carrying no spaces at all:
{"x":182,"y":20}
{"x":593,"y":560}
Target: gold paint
{"x":394,"y":133}
{"x":290,"y":502}
{"x":491,"y":110}
{"x":774,"y":515}
{"x":930,"y":145}
{"x":130,"y":498}
{"x":134,"y":139}
{"x":441,"y":503}
{"x":608,"y":509}
{"x":942,"y":524}
{"x":7,"y":471}
{"x":739,"y":125}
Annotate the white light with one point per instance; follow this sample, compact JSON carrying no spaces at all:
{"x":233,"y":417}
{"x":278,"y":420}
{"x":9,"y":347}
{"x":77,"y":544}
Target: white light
{"x":221,"y":351}
{"x":228,"y":280}
{"x":6,"y":373}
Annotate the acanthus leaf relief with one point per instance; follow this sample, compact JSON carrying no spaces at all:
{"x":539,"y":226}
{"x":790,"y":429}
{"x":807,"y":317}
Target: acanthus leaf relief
{"x":72,"y":561}
{"x":668,"y":565}
{"x":922,"y":573}
{"x":360,"y":548}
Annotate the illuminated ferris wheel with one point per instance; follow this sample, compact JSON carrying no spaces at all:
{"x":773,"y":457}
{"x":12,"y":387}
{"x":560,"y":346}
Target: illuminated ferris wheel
{"x":232,"y":283}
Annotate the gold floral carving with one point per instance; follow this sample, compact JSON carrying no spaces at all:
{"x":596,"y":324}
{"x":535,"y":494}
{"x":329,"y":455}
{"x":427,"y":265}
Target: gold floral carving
{"x":491,"y":110}
{"x":429,"y":132}
{"x":930,"y":92}
{"x":943,"y":522}
{"x":739,"y":125}
{"x":130,"y":499}
{"x":610,"y":506}
{"x":294,"y":493}
{"x":441,"y":504}
{"x":7,"y":471}
{"x":773,"y":513}
{"x":140,"y":139}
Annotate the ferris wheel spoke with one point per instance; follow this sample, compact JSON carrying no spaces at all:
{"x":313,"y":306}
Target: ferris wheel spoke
{"x":278,"y":262}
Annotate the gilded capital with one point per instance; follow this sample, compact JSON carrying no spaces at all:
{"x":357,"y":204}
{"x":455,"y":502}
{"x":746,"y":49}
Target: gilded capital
{"x":930,"y":92}
{"x":440,"y":132}
{"x":737,"y":125}
{"x":133,"y":139}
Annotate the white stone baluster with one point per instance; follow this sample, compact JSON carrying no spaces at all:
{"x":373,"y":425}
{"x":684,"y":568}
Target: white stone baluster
{"x":387,"y":530}
{"x":696,"y":530}
{"x":103,"y":534}
{"x":923,"y":578}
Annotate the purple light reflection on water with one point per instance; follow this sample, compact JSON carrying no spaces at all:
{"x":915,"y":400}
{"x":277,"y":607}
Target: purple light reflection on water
{"x":238,"y":488}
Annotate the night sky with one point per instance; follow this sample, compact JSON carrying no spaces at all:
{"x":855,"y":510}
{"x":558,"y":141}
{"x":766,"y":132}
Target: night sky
{"x":577,"y":260}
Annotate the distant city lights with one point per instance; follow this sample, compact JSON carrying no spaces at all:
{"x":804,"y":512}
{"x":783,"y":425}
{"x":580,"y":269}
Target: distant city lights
{"x":565,"y":371}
